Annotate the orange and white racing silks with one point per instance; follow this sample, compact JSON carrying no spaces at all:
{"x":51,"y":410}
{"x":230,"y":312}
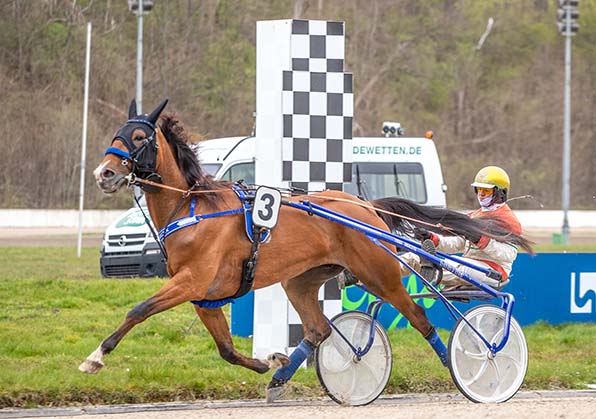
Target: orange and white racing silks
{"x":498,"y":255}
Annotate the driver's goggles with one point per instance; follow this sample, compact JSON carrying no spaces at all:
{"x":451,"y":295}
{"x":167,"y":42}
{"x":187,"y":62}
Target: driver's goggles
{"x":484,"y":191}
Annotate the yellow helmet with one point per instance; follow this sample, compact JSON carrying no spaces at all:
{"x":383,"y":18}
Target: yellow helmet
{"x":490,"y":177}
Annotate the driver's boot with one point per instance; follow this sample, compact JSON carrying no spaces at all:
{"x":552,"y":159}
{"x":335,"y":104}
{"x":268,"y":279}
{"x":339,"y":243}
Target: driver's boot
{"x":428,"y":269}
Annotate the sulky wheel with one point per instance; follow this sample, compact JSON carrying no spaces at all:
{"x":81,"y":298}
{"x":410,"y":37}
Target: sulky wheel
{"x":480,"y":376}
{"x":346,"y":378}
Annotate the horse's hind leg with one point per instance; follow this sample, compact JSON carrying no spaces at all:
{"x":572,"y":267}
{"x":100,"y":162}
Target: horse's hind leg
{"x":384,"y":281}
{"x":170,"y":295}
{"x":216,"y":323}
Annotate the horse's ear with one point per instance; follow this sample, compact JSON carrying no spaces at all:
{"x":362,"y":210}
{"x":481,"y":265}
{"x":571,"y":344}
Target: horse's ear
{"x":155,"y":114}
{"x":132,"y":109}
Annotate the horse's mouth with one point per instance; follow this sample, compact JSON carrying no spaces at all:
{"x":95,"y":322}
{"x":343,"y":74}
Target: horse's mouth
{"x":111,"y":185}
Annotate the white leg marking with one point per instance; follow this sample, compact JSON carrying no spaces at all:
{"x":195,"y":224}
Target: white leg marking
{"x":277,"y":360}
{"x":93,"y":363}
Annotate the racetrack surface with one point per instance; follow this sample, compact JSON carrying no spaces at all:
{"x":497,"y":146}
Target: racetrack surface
{"x":536,"y":404}
{"x":67,"y":236}
{"x":48,"y":236}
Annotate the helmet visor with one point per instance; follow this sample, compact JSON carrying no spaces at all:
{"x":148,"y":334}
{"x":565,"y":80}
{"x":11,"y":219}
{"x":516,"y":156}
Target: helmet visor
{"x":484,"y":191}
{"x":482,"y":185}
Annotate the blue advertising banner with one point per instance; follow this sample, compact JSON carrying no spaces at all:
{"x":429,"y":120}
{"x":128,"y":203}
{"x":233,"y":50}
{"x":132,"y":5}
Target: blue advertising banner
{"x":551,"y":287}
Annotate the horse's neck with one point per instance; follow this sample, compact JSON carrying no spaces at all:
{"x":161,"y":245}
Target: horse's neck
{"x":163,"y":203}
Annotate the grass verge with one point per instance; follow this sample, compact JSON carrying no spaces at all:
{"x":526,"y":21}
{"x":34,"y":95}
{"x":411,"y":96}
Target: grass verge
{"x":56,"y":310}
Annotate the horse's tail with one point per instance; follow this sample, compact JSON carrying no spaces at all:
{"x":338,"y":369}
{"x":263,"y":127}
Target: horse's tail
{"x":455,"y":223}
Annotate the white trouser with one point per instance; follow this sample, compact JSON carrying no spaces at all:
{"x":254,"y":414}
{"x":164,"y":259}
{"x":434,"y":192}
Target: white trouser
{"x":451,"y":280}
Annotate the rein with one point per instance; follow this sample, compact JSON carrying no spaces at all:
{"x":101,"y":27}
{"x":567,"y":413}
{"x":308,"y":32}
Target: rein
{"x":185,"y":195}
{"x":183,"y":198}
{"x":133,"y":180}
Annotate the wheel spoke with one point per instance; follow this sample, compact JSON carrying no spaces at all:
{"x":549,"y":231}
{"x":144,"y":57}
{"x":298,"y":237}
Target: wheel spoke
{"x":474,"y":339}
{"x":344,"y":367}
{"x":474,"y":355}
{"x":498,"y":336}
{"x":495,"y":327}
{"x":354,"y":382}
{"x":341,"y":346}
{"x":491,"y":327}
{"x":504,"y":353}
{"x":370,"y":370}
{"x":514,"y":361}
{"x":497,"y":378}
{"x":479,"y":374}
{"x":357,"y":335}
{"x":476,"y":334}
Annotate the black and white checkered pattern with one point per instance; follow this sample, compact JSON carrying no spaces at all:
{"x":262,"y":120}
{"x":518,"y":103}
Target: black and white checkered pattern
{"x":304,"y":116}
{"x":330,"y":302}
{"x":317,"y":108}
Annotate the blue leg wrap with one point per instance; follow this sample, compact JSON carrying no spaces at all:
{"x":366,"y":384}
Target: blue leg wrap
{"x":437,"y":344}
{"x":302,"y":351}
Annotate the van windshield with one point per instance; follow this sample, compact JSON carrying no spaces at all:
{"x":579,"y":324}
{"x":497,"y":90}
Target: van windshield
{"x":210,"y":168}
{"x":241,"y":171}
{"x":379,"y":180}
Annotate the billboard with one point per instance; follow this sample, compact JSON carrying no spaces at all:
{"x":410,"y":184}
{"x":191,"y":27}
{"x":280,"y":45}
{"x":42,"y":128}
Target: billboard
{"x":551,"y":287}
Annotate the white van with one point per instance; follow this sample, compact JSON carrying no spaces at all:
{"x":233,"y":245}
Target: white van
{"x":385,"y":166}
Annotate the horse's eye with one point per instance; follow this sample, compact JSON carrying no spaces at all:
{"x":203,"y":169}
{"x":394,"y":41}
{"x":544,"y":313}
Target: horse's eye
{"x":138,"y":138}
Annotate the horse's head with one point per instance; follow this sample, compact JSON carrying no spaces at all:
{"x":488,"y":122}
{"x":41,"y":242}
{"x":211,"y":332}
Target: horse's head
{"x":133,"y":150}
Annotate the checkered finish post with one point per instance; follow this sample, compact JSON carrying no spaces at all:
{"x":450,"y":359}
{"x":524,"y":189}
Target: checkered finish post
{"x":317,"y":107}
{"x":304,"y":135}
{"x":271,"y":321}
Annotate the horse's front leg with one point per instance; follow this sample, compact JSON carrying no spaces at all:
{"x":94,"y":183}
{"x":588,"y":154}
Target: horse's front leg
{"x":216,"y":323}
{"x":173,"y":293}
{"x":303,"y":294}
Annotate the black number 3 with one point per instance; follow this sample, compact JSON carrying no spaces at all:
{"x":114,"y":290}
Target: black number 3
{"x":267,"y":212}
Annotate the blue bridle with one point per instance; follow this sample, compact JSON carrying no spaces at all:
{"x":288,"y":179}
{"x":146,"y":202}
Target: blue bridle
{"x":144,"y":157}
{"x":117,"y":152}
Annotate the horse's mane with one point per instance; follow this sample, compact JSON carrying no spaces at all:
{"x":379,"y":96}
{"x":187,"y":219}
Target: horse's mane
{"x":186,"y":158}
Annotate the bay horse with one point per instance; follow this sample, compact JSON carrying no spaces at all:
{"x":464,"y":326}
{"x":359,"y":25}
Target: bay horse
{"x":205,"y":260}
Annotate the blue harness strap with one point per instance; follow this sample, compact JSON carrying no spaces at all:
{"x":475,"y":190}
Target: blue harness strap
{"x":212,"y":303}
{"x":192,"y":219}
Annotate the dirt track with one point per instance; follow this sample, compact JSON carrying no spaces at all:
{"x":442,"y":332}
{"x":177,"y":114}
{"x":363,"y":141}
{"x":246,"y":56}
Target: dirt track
{"x":525,"y":405}
{"x":57,"y":236}
{"x":48,"y":236}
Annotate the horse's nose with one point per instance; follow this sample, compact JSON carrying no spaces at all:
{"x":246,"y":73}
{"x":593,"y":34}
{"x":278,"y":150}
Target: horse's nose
{"x":98,"y":173}
{"x":102,"y":173}
{"x":107,"y":174}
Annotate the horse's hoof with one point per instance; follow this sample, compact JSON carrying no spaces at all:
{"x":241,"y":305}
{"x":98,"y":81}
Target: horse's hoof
{"x":275,"y":390}
{"x":91,"y":367}
{"x":277,"y":360}
{"x":274,"y":394}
